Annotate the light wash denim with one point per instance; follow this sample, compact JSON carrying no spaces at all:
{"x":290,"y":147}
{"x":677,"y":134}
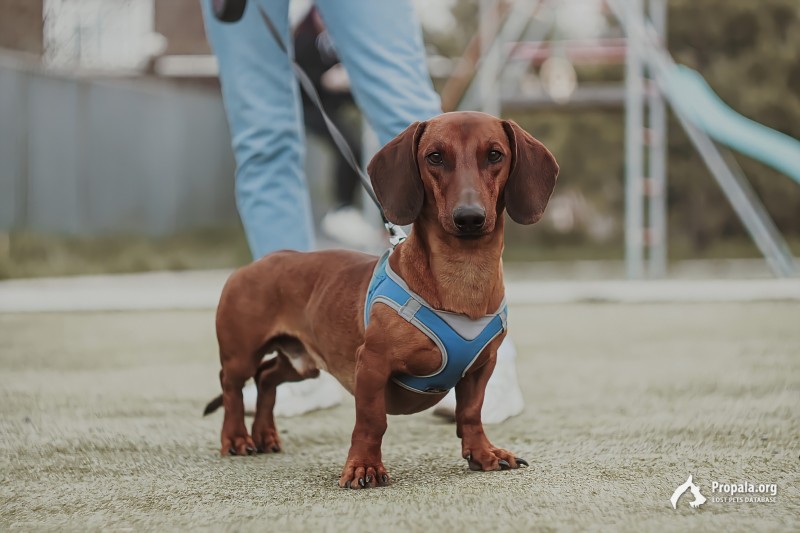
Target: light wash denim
{"x":379,"y":43}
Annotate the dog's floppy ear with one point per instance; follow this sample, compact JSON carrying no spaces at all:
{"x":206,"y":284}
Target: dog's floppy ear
{"x":532,"y":176}
{"x":394,"y":173}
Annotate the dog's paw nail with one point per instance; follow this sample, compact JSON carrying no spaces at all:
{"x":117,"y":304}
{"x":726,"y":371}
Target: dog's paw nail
{"x":385,"y":478}
{"x":473,"y":465}
{"x":347,"y":484}
{"x":361,"y":482}
{"x":276,"y":448}
{"x":259,"y":449}
{"x":369,"y":479}
{"x":504,"y":465}
{"x":521,"y":461}
{"x":231,"y":451}
{"x":251,"y":450}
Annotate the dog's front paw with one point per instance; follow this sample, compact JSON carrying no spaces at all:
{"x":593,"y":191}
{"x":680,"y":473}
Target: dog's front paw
{"x":361,"y":474}
{"x":491,"y":458}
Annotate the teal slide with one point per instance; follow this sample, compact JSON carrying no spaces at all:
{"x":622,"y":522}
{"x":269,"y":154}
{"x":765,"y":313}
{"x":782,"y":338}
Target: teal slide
{"x":697,"y":102}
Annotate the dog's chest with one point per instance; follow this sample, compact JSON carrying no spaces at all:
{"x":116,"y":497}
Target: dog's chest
{"x":416,"y":354}
{"x":435,"y":348}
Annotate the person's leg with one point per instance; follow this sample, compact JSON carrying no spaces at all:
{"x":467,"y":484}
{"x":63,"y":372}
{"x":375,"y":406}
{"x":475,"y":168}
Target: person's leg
{"x":346,"y":223}
{"x":346,"y":180}
{"x":380,"y":45}
{"x":264,"y":114}
{"x":348,"y":121}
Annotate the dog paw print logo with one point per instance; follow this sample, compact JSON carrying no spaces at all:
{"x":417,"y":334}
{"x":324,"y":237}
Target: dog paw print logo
{"x":699,"y":499}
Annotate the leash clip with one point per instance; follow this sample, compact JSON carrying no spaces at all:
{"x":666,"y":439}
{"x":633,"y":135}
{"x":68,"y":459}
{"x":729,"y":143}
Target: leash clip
{"x":396,"y":234}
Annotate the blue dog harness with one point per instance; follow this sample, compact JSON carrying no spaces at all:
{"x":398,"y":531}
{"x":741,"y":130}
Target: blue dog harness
{"x":459,"y":338}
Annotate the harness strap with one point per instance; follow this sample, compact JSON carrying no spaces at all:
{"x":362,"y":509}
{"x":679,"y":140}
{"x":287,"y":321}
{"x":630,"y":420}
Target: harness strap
{"x":459,"y":338}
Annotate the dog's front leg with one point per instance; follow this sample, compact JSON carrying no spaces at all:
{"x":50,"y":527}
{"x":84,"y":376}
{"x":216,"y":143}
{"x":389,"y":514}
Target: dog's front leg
{"x":475,"y":446}
{"x":364,"y":467}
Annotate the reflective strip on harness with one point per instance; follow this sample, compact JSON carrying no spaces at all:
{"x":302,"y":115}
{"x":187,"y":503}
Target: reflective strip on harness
{"x":460,"y":339}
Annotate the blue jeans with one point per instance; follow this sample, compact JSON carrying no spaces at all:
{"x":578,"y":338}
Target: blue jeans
{"x":380,"y":44}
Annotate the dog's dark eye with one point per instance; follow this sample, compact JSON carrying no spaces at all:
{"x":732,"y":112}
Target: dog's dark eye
{"x":495,"y":156}
{"x":434,"y":158}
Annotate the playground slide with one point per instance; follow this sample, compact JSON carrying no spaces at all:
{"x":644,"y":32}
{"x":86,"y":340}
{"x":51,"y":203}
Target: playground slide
{"x":698,"y":102}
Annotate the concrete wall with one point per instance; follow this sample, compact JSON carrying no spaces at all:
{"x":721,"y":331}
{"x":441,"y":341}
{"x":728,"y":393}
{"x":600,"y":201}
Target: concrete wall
{"x":93,"y":156}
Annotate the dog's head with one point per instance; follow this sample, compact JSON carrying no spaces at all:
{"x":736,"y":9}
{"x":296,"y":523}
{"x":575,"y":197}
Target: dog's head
{"x":463,"y":169}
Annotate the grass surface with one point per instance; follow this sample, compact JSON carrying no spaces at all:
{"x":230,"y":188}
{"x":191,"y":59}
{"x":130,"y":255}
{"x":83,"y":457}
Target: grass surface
{"x":100,"y":428}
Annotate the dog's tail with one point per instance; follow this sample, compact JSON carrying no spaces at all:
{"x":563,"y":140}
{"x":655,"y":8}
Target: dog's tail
{"x":213,"y":405}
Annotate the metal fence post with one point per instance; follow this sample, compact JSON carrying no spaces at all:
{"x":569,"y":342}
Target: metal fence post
{"x":657,"y":158}
{"x":634,"y":130}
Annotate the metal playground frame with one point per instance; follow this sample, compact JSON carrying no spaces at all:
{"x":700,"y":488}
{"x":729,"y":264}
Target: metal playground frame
{"x":513,"y":35}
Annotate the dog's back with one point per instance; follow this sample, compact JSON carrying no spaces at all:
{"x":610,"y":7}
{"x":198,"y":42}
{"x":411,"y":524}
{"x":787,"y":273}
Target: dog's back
{"x":279,"y":296}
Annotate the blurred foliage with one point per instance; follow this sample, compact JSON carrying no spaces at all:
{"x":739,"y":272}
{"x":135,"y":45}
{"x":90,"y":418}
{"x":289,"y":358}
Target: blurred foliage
{"x":749,"y":52}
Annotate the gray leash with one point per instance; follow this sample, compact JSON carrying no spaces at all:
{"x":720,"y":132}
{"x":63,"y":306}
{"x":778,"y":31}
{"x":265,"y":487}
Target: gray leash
{"x":396,"y":233}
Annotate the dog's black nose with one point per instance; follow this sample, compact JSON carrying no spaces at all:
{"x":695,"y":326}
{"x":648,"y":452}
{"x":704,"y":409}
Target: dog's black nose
{"x":469,"y":218}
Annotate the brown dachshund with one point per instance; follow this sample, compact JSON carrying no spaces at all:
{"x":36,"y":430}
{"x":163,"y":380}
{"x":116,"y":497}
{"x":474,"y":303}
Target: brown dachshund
{"x":452,"y":177}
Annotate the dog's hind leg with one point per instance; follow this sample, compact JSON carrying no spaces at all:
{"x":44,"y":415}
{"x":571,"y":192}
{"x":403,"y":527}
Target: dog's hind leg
{"x":287,"y":366}
{"x":234,"y":374}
